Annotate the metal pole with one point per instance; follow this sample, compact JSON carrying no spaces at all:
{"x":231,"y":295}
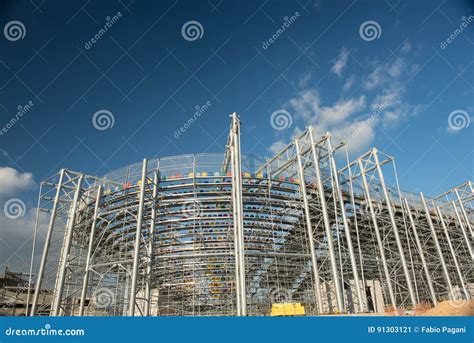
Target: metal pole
{"x":138,"y":235}
{"x":236,"y":234}
{"x":464,"y":213}
{"x":33,"y":248}
{"x":438,"y":247}
{"x":67,"y":248}
{"x":46,"y":243}
{"x":151,"y":242}
{"x":422,"y":256}
{"x":347,"y":231}
{"x":377,"y":235}
{"x":463,"y":229}
{"x":327,"y":226}
{"x":314,"y":261}
{"x":237,"y":170}
{"x":356,"y":225}
{"x":395,"y":230}
{"x":453,"y":254}
{"x":89,"y":252}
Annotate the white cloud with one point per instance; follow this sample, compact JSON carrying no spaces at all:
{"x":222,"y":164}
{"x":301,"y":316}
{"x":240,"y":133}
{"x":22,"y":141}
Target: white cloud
{"x":376,"y":78}
{"x":16,"y":233}
{"x":277,"y":146}
{"x":406,"y":47}
{"x":403,"y":111}
{"x":341,"y":111}
{"x":389,"y":77}
{"x":396,"y":68}
{"x":304,"y":80}
{"x":386,"y":99}
{"x":386,"y":74}
{"x":359,"y":135}
{"x":307,"y":105}
{"x":395,"y":108}
{"x":349,"y":83}
{"x":16,"y":238}
{"x":349,"y":119}
{"x":340,"y":119}
{"x":12,"y":181}
{"x":341,"y":62}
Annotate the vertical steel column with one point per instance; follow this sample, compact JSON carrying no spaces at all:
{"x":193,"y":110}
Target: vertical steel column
{"x":327,"y":225}
{"x":422,"y":255}
{"x":151,"y":243}
{"x":453,"y":254}
{"x":237,"y":177}
{"x":463,"y":229}
{"x":395,"y":229}
{"x":347,"y":231}
{"x":33,"y":248}
{"x":314,"y":261}
{"x":438,"y":247}
{"x":377,"y":235}
{"x":46,"y":243}
{"x":356,"y":225}
{"x":464,"y":213}
{"x":67,"y":248}
{"x":236,"y":234}
{"x":89,"y":252}
{"x":138,"y":236}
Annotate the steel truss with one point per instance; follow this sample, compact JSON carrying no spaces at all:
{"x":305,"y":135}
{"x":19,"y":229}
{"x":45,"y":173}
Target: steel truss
{"x":230,"y":234}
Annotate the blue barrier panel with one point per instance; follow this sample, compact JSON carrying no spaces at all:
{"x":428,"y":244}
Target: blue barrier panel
{"x":232,"y":329}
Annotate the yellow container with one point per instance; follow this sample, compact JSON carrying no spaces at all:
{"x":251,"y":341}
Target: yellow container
{"x":287,"y":309}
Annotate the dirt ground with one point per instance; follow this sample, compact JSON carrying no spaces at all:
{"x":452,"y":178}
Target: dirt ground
{"x":450,"y":308}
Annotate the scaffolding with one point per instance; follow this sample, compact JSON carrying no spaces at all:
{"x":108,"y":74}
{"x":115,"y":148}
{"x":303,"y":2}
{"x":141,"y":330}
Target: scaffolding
{"x":233,"y":234}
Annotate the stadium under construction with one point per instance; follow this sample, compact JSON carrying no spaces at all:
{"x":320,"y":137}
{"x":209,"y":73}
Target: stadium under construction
{"x":231,"y":234}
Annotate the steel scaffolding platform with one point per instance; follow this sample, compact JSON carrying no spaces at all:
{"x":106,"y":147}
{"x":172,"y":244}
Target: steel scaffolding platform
{"x":232,"y":234}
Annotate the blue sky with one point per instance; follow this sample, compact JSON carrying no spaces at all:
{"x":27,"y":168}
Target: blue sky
{"x":319,"y":69}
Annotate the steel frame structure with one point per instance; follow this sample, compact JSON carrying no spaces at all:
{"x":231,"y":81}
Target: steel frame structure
{"x":230,"y":234}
